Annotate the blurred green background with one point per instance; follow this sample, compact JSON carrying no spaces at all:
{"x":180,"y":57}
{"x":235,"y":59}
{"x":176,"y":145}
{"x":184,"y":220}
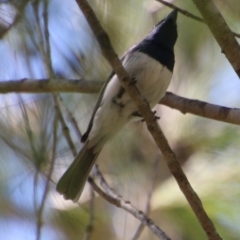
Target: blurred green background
{"x":131,"y":163}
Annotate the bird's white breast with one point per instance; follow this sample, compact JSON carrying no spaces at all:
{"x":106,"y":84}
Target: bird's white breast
{"x":152,"y":80}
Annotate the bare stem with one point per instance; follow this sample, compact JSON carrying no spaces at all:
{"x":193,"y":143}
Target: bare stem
{"x":109,"y":195}
{"x":49,"y":175}
{"x":150,"y":120}
{"x":149,"y":197}
{"x":188,"y":14}
{"x":221,"y":32}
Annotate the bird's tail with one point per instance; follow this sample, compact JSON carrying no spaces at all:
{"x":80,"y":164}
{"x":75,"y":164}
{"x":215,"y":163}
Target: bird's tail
{"x":73,"y":180}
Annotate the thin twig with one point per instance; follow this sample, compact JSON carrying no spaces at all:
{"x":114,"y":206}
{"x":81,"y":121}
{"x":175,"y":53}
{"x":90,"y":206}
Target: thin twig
{"x":34,"y":155}
{"x":49,"y":71}
{"x":28,"y":128}
{"x":184,"y":12}
{"x":40,"y":37}
{"x":220,"y":30}
{"x":149,"y":197}
{"x":48,"y":62}
{"x":65,"y":128}
{"x":71,"y":118}
{"x":73,"y":122}
{"x":89,"y":228}
{"x":22,"y":152}
{"x":188,"y":14}
{"x":16,"y":20}
{"x":14,"y":146}
{"x":109,"y":195}
{"x":35,"y":6}
{"x":45,"y":52}
{"x":152,"y":125}
{"x":49,"y":175}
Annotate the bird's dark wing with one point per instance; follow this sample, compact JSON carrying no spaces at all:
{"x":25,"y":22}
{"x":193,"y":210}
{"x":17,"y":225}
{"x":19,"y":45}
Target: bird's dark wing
{"x":99,"y":100}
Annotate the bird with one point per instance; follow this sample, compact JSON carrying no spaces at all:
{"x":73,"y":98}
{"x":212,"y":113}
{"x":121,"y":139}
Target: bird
{"x":150,"y":65}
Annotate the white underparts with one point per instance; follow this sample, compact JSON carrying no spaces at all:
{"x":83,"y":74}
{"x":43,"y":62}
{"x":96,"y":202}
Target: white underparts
{"x":152,"y":80}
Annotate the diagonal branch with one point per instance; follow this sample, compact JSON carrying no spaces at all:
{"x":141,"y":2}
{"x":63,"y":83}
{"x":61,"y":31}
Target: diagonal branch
{"x":109,"y":195}
{"x":188,"y":14}
{"x":90,"y":227}
{"x":150,"y":120}
{"x":48,"y":180}
{"x":16,"y":20}
{"x":71,"y":119}
{"x":150,"y":191}
{"x":184,"y":12}
{"x":221,"y":32}
{"x":46,"y":57}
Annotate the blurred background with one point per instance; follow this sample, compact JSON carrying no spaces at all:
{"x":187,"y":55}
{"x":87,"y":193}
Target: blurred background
{"x":30,"y":139}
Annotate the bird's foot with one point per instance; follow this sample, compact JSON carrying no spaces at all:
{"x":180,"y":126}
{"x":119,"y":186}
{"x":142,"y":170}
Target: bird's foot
{"x":136,"y":114}
{"x":156,"y":117}
{"x":118,"y":102}
{"x":133,"y":81}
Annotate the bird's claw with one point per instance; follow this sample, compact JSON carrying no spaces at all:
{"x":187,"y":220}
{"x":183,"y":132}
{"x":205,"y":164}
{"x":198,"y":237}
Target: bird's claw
{"x":133,"y":81}
{"x":156,"y":117}
{"x":136,"y":114}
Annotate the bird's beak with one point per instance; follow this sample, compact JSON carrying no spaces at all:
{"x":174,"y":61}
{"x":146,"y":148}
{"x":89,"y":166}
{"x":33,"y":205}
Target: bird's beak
{"x":173,"y":15}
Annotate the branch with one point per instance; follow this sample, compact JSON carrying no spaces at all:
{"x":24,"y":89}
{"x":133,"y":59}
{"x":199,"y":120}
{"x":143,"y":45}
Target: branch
{"x":49,"y":85}
{"x":188,"y":14}
{"x":65,"y":128}
{"x":71,"y":119}
{"x":202,"y":109}
{"x":16,"y":20}
{"x":89,"y":228}
{"x":46,"y":57}
{"x":150,"y":191}
{"x":184,"y":105}
{"x":150,"y":120}
{"x":107,"y":195}
{"x":119,"y":202}
{"x":221,"y":32}
{"x":49,"y":175}
{"x":110,"y":195}
{"x":184,"y":12}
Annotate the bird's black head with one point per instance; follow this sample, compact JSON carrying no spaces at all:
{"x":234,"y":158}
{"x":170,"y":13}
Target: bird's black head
{"x":165,"y":32}
{"x":160,"y":42}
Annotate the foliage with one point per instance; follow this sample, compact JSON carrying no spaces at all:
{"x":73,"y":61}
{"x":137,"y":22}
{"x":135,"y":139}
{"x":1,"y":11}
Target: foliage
{"x":208,"y":150}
